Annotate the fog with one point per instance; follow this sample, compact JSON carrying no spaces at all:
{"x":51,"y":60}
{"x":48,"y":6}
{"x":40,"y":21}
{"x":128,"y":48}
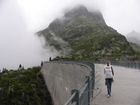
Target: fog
{"x":21,"y":19}
{"x":122,"y":15}
{"x":18,"y":44}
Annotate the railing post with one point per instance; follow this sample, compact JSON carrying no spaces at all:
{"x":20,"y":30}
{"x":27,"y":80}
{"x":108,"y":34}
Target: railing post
{"x":92,"y":82}
{"x":88,"y":81}
{"x":76,"y":98}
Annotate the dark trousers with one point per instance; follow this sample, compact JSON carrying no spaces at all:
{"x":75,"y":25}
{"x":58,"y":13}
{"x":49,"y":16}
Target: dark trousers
{"x":109,"y":84}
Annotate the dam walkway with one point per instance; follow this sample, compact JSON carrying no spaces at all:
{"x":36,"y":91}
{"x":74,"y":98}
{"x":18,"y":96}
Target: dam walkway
{"x":125,"y":89}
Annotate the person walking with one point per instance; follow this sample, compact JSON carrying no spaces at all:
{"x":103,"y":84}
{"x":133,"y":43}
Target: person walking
{"x":109,"y":73}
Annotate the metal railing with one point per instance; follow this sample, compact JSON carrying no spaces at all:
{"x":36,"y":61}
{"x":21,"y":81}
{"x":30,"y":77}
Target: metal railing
{"x":84,"y":94}
{"x":135,"y":65}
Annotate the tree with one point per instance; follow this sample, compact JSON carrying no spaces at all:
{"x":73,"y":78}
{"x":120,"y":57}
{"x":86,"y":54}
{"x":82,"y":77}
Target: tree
{"x":20,"y":67}
{"x":4,"y":70}
{"x":41,"y":63}
{"x":50,"y":59}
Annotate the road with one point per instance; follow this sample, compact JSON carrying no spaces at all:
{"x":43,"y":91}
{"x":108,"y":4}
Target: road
{"x":125,"y":89}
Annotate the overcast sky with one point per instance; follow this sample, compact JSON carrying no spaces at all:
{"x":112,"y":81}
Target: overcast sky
{"x":20,"y":19}
{"x":122,"y":15}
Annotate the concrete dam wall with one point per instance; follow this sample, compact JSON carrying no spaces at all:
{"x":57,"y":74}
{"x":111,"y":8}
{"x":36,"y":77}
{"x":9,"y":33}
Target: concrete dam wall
{"x":62,"y":77}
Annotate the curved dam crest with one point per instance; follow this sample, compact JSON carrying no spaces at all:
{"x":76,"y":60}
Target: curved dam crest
{"x":62,"y":77}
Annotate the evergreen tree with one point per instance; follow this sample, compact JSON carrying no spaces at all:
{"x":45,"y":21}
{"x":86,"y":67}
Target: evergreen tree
{"x":50,"y":59}
{"x":20,"y":67}
{"x":41,"y":63}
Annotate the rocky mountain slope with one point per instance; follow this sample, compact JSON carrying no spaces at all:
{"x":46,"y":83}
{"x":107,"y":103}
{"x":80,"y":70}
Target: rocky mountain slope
{"x":83,"y":35}
{"x":133,"y":37}
{"x":136,"y":47}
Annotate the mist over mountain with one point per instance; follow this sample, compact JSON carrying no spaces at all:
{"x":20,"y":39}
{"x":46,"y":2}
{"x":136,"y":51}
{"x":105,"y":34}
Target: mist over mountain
{"x":83,"y":35}
{"x":133,"y":37}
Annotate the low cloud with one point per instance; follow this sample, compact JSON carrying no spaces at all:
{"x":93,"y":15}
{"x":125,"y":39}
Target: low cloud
{"x":18,"y":44}
{"x":122,"y":15}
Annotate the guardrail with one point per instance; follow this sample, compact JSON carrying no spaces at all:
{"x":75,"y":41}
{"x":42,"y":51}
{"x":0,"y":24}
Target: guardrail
{"x":84,"y":94}
{"x":135,"y":65}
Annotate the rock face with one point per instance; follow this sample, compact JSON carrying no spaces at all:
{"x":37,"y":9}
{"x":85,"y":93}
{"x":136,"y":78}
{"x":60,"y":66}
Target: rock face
{"x":84,"y":35}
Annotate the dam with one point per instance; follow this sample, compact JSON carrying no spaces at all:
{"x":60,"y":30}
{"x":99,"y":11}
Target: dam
{"x":64,"y":78}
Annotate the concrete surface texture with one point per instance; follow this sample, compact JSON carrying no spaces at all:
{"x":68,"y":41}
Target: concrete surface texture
{"x":125,"y":89}
{"x":61,"y":78}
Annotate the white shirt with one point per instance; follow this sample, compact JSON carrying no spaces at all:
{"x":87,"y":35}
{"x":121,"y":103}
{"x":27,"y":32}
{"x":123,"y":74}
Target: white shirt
{"x":108,"y":72}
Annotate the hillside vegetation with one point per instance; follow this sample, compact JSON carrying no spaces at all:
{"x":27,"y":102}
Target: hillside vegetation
{"x":23,"y":87}
{"x":135,"y":46}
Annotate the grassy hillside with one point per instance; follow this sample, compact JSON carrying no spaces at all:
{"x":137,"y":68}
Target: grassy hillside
{"x":23,"y":87}
{"x":97,"y":48}
{"x":136,"y":47}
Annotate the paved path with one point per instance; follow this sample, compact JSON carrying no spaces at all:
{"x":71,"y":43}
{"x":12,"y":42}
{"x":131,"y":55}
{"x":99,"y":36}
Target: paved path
{"x":125,"y":89}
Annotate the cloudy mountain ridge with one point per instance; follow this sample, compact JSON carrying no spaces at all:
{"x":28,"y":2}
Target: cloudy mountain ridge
{"x":87,"y":37}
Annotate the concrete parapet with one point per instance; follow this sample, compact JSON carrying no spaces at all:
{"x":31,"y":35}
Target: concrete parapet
{"x":62,"y":77}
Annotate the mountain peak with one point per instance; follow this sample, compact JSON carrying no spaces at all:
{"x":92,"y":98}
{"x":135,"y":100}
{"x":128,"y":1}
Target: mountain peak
{"x":78,"y":16}
{"x":133,"y":34}
{"x":82,"y":11}
{"x":77,"y":11}
{"x":133,"y":37}
{"x":133,"y":31}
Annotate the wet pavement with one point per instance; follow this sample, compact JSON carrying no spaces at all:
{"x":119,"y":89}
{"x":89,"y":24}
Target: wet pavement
{"x":125,"y":89}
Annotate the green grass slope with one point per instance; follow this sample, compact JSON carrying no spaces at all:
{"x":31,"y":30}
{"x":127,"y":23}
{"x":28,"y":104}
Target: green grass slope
{"x":23,"y":87}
